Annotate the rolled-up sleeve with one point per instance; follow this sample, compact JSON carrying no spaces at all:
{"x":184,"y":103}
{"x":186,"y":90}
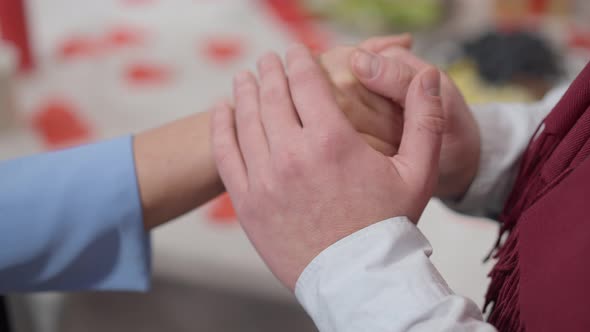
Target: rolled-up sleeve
{"x":506,"y":130}
{"x":72,"y":221}
{"x":381,"y":279}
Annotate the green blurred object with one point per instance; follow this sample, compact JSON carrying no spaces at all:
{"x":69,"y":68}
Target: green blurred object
{"x":381,"y":15}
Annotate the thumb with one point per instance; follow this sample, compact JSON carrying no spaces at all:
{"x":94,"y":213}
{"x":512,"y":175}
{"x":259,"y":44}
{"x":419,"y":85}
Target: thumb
{"x":424,"y":124}
{"x":385,"y":76}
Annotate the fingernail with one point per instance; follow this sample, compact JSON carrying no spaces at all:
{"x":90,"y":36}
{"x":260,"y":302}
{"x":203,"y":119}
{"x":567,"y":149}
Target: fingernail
{"x":366,"y":64}
{"x":431,"y":82}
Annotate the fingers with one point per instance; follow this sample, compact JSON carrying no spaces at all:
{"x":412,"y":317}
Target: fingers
{"x":312,"y":92}
{"x":226,"y":150}
{"x":388,"y":77}
{"x":277,"y":112}
{"x":251,"y":136}
{"x":335,"y":64}
{"x":405,"y":56}
{"x":379,"y":44}
{"x":386,"y":148}
{"x":381,"y":123}
{"x":424,"y":124}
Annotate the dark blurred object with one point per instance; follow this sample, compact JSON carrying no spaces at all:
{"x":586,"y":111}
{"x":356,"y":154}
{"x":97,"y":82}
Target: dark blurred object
{"x":4,"y":324}
{"x":516,"y":56}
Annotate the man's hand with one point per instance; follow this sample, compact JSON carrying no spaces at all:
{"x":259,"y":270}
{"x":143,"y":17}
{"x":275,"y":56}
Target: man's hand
{"x":378,"y":120}
{"x":300,"y":176}
{"x":390,"y":74}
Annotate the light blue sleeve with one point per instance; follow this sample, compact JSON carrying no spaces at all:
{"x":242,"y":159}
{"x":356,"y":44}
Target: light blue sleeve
{"x":72,"y":221}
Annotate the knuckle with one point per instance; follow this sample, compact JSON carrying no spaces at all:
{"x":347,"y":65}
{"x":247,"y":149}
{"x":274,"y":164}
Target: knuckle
{"x":402,"y":74}
{"x":273,"y":92}
{"x":303,"y":73}
{"x":266,"y":186}
{"x":245,"y":119}
{"x":289,"y":165}
{"x":246,"y":89}
{"x":268,"y":62}
{"x":434,"y":123}
{"x":329,"y":144}
{"x":246,"y":110}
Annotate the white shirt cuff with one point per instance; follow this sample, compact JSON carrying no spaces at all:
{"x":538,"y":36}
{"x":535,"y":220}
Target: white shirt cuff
{"x":381,"y":279}
{"x":506,"y":130}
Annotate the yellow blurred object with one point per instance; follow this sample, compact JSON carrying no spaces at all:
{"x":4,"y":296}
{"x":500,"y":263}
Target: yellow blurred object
{"x":476,"y":91}
{"x":517,"y":10}
{"x":380,"y":16}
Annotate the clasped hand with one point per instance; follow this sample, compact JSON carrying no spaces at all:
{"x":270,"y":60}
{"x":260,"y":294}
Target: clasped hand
{"x":301,"y":177}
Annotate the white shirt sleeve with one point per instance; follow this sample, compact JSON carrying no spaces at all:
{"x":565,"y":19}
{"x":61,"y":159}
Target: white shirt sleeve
{"x":381,"y":279}
{"x":506,"y":130}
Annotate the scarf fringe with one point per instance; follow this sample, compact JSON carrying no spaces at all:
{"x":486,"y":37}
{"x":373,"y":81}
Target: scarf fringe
{"x":502,"y":297}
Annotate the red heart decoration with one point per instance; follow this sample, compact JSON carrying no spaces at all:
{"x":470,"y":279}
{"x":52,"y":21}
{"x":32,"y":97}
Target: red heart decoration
{"x":59,"y":124}
{"x":78,"y":47}
{"x":146,"y":73}
{"x":223,"y":49}
{"x":222,"y":211}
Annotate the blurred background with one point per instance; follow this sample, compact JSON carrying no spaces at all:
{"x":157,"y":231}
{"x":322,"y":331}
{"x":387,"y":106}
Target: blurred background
{"x":74,"y":71}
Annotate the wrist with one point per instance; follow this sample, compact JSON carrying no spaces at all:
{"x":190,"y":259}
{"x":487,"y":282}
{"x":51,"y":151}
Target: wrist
{"x":175,"y":169}
{"x":464,"y":166}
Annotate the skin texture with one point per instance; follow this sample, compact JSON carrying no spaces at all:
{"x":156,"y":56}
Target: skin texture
{"x":175,"y":169}
{"x":174,"y":163}
{"x":395,"y":68}
{"x":378,"y":120}
{"x":300,"y":176}
{"x":383,"y":96}
{"x":174,"y":181}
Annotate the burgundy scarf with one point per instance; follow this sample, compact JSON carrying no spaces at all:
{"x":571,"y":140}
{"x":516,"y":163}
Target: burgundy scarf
{"x":541,"y":281}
